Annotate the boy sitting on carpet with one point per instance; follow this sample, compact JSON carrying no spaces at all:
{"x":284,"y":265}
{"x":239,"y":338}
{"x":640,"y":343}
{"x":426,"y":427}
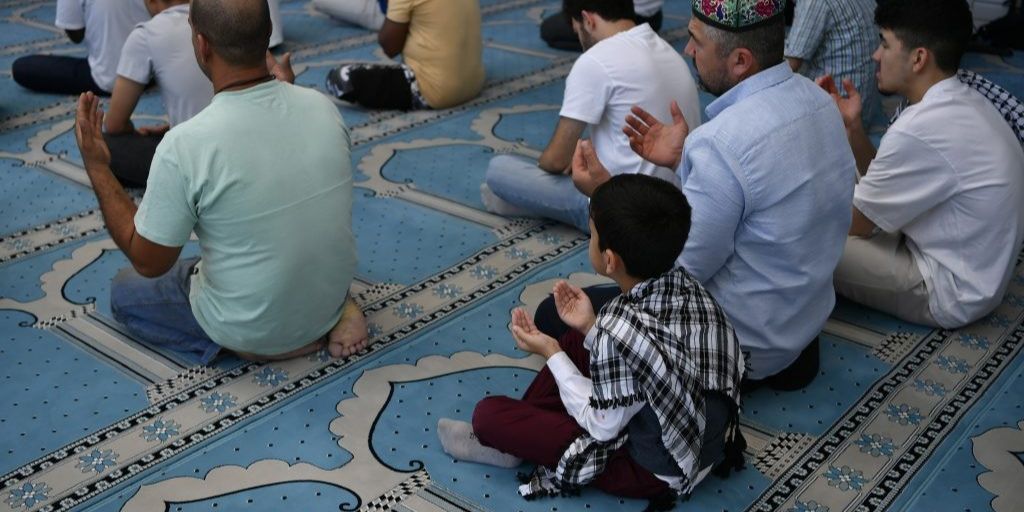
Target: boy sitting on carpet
{"x":647,"y":403}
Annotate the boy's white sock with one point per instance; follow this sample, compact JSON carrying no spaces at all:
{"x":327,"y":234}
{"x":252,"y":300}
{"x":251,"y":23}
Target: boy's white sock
{"x":458,"y":440}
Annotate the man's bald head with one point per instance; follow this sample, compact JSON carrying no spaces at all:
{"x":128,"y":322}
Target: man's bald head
{"x":237,"y":30}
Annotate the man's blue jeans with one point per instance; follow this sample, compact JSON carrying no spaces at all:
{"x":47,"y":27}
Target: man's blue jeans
{"x":519,"y":182}
{"x":157,"y":311}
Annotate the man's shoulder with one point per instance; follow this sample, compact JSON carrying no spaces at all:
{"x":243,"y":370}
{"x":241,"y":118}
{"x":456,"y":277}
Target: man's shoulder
{"x":779,"y":105}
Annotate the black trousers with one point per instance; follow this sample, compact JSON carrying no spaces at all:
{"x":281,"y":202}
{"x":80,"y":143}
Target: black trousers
{"x":55,"y":74}
{"x":377,"y":87}
{"x":131,"y":154}
{"x":795,"y":376}
{"x":556,"y":30}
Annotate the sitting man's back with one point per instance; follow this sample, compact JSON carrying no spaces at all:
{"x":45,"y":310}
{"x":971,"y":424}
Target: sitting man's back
{"x":159,"y":49}
{"x":444,"y":48}
{"x":625,"y":65}
{"x":788,"y":214}
{"x":264,"y":177}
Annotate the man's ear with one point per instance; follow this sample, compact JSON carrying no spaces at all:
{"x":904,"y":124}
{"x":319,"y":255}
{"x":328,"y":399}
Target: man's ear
{"x":202,"y":48}
{"x":588,"y":20}
{"x":919,"y":58}
{"x":741,"y":61}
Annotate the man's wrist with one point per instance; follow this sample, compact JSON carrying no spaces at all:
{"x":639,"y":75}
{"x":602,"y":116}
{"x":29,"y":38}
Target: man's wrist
{"x":855,"y":129}
{"x":97,"y":168}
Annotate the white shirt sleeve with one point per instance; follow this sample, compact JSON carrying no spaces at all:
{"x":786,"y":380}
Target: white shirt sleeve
{"x":70,"y":15}
{"x":906,"y":179}
{"x":136,"y":63}
{"x":576,"y":390}
{"x":587,"y":91}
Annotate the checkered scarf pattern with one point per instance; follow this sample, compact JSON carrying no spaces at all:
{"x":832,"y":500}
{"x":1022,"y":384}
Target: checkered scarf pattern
{"x":665,"y":343}
{"x":1005,"y":102}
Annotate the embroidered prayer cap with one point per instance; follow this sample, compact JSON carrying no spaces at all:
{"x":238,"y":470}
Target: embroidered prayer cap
{"x":737,"y":15}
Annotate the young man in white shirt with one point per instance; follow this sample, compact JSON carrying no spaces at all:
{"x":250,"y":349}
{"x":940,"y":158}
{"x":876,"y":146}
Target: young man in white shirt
{"x":104,"y":25}
{"x":938,"y":215}
{"x":624,"y":65}
{"x":160,"y":48}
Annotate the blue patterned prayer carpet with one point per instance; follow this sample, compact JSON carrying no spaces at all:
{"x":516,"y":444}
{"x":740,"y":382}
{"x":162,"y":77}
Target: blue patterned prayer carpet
{"x":900,"y":418}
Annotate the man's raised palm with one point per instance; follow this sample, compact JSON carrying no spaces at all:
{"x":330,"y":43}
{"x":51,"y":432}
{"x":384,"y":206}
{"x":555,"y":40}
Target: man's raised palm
{"x":655,"y":141}
{"x":851,"y":106}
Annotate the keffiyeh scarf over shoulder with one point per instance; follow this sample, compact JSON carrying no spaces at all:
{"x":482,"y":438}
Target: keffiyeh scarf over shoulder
{"x":665,"y":343}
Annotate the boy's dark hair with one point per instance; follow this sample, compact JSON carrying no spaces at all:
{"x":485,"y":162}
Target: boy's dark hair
{"x":609,"y":10}
{"x":942,"y":26}
{"x":238,"y":30}
{"x":644,"y":220}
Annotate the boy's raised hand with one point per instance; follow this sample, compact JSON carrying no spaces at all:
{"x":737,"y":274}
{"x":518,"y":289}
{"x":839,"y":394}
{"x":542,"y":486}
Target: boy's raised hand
{"x":574,"y":307}
{"x":529,"y":338}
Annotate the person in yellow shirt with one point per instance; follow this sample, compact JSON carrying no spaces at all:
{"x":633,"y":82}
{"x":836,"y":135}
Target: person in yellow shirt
{"x":442,"y":50}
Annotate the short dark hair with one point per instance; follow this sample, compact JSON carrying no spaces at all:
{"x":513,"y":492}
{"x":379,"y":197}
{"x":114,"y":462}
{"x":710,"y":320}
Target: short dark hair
{"x":610,"y":10}
{"x":645,"y":220}
{"x":944,"y":27}
{"x":767,"y":42}
{"x":238,"y":30}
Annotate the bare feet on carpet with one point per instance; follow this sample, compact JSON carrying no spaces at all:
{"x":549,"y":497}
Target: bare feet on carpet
{"x":350,"y":334}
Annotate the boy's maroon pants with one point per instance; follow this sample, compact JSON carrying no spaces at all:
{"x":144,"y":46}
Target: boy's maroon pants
{"x":538,"y":429}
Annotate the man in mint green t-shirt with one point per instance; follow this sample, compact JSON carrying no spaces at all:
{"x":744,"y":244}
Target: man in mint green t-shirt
{"x":263,"y":176}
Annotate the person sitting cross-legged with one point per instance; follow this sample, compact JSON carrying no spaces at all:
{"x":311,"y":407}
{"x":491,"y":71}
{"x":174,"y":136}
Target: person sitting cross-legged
{"x":624,"y":65}
{"x":938,"y":214}
{"x":442,"y":51}
{"x":104,"y":25}
{"x":368,"y":14}
{"x":159,"y":49}
{"x":641,"y":399}
{"x":770,"y":177}
{"x":263,"y":176}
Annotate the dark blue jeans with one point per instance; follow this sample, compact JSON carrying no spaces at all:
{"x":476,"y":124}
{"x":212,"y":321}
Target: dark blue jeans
{"x":158,"y":312}
{"x":55,"y":74}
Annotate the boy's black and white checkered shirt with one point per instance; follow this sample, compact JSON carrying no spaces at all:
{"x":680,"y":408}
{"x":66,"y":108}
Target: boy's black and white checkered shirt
{"x":665,"y":330}
{"x":665,"y":343}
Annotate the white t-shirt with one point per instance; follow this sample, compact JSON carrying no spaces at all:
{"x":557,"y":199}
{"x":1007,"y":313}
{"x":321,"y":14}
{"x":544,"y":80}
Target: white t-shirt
{"x":107,"y":24}
{"x":647,"y":8}
{"x":162,"y":47}
{"x":950,"y":176}
{"x":277,"y":24}
{"x":635,"y":67}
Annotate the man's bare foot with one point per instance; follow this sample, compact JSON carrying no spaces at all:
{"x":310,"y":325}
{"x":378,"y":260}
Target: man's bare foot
{"x":349,"y":335}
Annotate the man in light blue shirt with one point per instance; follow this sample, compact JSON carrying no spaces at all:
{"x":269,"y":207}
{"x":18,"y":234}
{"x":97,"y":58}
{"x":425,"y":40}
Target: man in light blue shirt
{"x":837,"y":37}
{"x":770,"y":181}
{"x":263,"y":176}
